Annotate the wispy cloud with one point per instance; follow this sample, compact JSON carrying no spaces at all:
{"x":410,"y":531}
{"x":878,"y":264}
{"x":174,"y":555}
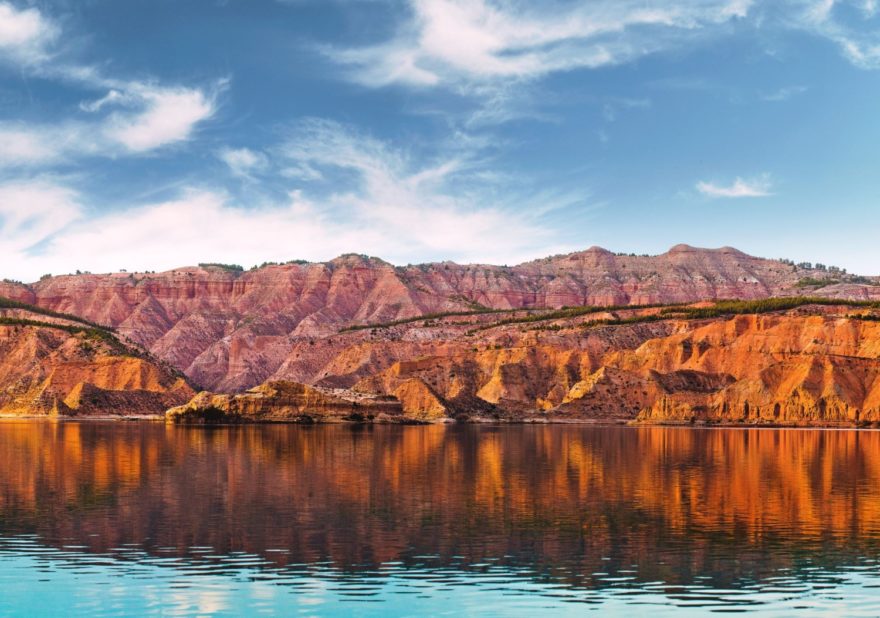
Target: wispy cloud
{"x":129,"y":116}
{"x":755,"y":187}
{"x":483,"y":48}
{"x":145,"y":118}
{"x":32,"y":212}
{"x":243,"y":162}
{"x":850,"y":24}
{"x":470,"y":42}
{"x":365,"y":195}
{"x":27,"y":145}
{"x":783,"y":94}
{"x":168,"y":115}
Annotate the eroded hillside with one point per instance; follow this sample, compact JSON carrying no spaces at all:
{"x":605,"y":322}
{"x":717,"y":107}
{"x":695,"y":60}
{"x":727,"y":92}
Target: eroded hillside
{"x":58,"y":365}
{"x":231,"y":330}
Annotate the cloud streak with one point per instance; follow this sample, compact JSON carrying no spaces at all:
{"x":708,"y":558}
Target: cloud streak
{"x":756,"y":187}
{"x":474,"y":47}
{"x":468,"y":42}
{"x":783,"y":94}
{"x":850,"y":24}
{"x":32,"y":212}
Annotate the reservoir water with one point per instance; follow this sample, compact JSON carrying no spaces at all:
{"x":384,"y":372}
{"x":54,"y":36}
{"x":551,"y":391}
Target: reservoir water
{"x":120,"y":519}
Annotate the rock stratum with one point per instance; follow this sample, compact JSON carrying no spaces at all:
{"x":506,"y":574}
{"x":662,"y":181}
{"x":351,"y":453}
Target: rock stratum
{"x":586,"y":337}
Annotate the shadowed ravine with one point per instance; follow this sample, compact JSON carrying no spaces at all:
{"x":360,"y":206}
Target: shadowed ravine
{"x":585,"y":509}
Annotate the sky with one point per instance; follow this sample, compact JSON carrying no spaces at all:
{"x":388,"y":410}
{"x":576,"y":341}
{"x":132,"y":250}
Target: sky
{"x":154,"y":134}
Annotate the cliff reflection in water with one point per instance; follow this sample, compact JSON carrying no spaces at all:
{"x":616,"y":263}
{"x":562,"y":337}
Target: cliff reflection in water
{"x":667,"y":505}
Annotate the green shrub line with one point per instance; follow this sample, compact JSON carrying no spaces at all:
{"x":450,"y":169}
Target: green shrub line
{"x":726,"y":308}
{"x":8,"y":303}
{"x":864,"y":317}
{"x":90,"y":332}
{"x":812,"y":282}
{"x":570,"y":312}
{"x":667,"y":311}
{"x":426,"y":316}
{"x":764,"y":305}
{"x":100,"y":334}
{"x":230,"y":267}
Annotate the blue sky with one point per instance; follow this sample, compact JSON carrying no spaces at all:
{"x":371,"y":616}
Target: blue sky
{"x":149,"y":134}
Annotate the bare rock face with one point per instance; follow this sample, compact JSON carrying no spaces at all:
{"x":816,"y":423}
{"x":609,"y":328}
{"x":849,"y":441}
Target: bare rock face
{"x":48,"y":371}
{"x":420,"y":402}
{"x":788,"y":370}
{"x":230,"y":330}
{"x":811,"y":366}
{"x":287,"y":402}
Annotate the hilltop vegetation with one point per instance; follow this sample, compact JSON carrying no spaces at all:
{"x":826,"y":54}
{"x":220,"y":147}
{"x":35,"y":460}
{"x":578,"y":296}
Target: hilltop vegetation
{"x":8,"y":303}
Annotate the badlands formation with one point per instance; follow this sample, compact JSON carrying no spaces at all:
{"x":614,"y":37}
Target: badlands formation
{"x":587,"y":337}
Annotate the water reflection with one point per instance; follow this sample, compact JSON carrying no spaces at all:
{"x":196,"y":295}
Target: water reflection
{"x":532,"y":516}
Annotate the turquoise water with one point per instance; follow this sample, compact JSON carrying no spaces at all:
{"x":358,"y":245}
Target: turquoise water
{"x":38,"y":581}
{"x":103,"y":519}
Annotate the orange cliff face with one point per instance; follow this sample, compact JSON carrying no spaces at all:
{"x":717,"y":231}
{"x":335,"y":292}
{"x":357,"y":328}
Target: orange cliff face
{"x":791,"y":368}
{"x":785,"y":369}
{"x":815,"y":365}
{"x":49,"y":371}
{"x":233,"y":330}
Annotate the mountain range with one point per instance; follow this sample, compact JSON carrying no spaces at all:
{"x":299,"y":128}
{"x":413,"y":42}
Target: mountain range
{"x":565,"y":335}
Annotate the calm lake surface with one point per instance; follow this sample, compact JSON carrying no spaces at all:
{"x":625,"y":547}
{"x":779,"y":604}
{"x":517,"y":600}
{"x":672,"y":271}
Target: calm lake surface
{"x":147,"y":519}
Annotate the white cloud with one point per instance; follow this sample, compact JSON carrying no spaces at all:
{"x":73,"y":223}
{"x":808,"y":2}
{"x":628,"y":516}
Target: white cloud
{"x":146,"y":115}
{"x":41,"y":145}
{"x":472,"y":41}
{"x":146,"y":118}
{"x":169,"y":115}
{"x":755,"y":187}
{"x":24,"y":33}
{"x":25,"y":146}
{"x":243,"y":161}
{"x":858,"y":40}
{"x":32,"y":212}
{"x":393,"y":209}
{"x":111,"y":98}
{"x":476,"y":47}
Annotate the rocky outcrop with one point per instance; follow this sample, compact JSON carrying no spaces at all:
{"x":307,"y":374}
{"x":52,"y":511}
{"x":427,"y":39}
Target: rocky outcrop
{"x":420,"y":401}
{"x":288,"y":402}
{"x":46,"y":370}
{"x":231,"y":330}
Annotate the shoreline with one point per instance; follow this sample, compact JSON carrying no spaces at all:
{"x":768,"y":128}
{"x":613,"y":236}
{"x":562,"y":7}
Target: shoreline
{"x":152,"y":419}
